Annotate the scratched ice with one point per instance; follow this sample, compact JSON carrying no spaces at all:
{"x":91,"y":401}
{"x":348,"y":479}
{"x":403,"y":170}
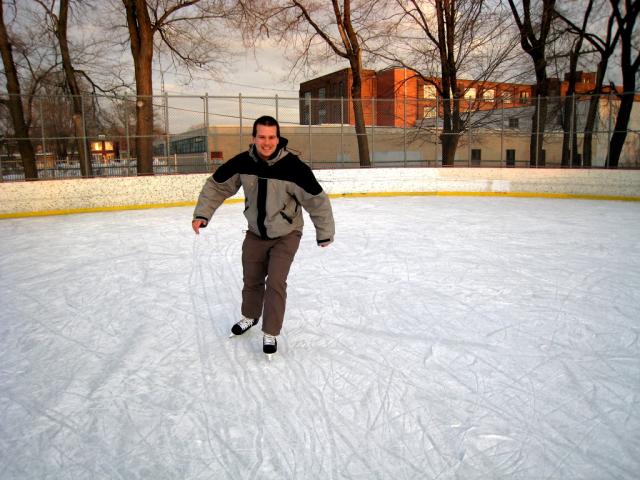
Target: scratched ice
{"x":449,"y":338}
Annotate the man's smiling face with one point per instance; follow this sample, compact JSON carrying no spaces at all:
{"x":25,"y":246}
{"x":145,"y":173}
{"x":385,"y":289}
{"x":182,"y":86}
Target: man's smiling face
{"x":266,"y":140}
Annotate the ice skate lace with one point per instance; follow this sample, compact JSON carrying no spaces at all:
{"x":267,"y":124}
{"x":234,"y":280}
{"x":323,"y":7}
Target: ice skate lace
{"x":246,"y":323}
{"x":269,"y":340}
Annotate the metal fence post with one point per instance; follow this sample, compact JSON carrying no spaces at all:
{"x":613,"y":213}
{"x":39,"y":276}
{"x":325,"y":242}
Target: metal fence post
{"x":310,"y":154}
{"x":88,"y":161}
{"x":468,"y":132}
{"x":277,"y":109}
{"x":341,"y":128}
{"x":166,"y":128}
{"x":606,"y":161}
{"x":502,"y":132}
{"x":373,"y":130}
{"x":240,"y":115}
{"x":206,"y":127}
{"x":572,"y":103}
{"x":435,"y":138}
{"x":126,"y":132}
{"x":537,"y":129}
{"x":44,"y":143}
{"x":404,"y":125}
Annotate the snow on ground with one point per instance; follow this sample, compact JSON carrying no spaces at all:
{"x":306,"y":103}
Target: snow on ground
{"x":460,"y":337}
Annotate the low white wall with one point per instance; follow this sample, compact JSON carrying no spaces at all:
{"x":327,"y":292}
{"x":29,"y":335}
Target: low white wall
{"x":63,"y":196}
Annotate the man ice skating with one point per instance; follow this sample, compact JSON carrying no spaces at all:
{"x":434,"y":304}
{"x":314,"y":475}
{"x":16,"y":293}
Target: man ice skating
{"x":276,"y":184}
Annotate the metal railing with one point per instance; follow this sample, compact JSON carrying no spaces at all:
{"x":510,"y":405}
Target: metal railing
{"x":197,"y":133}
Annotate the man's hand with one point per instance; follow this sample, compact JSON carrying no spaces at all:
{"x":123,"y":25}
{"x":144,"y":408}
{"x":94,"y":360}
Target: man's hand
{"x":197,"y":224}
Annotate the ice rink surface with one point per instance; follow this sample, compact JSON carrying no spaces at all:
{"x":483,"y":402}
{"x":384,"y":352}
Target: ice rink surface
{"x":437,"y":338}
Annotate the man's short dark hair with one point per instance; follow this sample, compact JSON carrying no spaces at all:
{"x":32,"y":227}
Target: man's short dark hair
{"x":267,"y":121}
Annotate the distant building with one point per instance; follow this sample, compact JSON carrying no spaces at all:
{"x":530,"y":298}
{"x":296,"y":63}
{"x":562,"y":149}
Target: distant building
{"x":396,"y":97}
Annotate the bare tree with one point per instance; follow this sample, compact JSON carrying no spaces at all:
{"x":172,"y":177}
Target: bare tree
{"x":534,"y":27}
{"x":604,"y":46}
{"x":59,"y":26}
{"x":569,"y":115}
{"x":626,"y":14}
{"x":443,"y":39}
{"x":181,"y":27}
{"x":20,"y":127}
{"x":339,"y":27}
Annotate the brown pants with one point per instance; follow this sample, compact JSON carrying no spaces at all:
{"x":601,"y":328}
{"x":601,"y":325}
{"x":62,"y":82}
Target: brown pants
{"x":265,"y":266}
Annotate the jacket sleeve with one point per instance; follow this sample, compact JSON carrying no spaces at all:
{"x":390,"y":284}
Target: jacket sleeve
{"x":316,"y":202}
{"x":224,"y":183}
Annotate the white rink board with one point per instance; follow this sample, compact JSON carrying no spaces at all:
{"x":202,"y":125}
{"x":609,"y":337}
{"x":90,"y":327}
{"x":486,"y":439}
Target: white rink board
{"x":68,"y":196}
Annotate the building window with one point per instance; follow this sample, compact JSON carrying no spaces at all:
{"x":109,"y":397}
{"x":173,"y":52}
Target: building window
{"x":511,"y":157}
{"x":514,"y":122}
{"x":470,"y":93}
{"x":524,"y":97}
{"x":429,"y":91}
{"x":188,"y":145}
{"x":488,"y":94}
{"x":429,"y":112}
{"x":341,"y":89}
{"x":322,"y":114}
{"x":306,"y":109}
{"x":476,"y":156}
{"x":507,"y":97}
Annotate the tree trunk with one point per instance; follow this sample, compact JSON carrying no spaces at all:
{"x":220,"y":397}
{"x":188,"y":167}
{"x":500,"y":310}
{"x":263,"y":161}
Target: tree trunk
{"x":144,"y":117}
{"x":452,"y":123}
{"x":629,"y":62}
{"x":361,"y":127}
{"x":82,"y":143}
{"x":536,"y":158}
{"x":534,"y":41}
{"x":449,"y":146}
{"x":622,"y":122}
{"x":590,"y":122}
{"x":20,"y":128}
{"x":569,"y":143}
{"x":570,"y":154}
{"x":451,"y":130}
{"x":141,"y":35}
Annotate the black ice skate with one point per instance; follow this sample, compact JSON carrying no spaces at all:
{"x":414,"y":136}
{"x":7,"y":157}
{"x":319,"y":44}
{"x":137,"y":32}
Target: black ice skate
{"x":269,"y":345}
{"x":243,"y":325}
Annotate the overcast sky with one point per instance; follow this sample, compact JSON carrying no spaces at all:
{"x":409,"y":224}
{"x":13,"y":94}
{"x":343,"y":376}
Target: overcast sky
{"x":265,"y":71}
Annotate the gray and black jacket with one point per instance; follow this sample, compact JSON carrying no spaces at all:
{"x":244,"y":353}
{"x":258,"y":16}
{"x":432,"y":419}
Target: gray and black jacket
{"x":274,"y":191}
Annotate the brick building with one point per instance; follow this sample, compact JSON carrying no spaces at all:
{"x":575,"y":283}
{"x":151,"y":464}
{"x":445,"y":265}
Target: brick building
{"x":395,"y":97}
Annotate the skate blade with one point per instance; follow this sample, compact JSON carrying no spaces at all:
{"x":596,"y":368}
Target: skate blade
{"x":269,"y":355}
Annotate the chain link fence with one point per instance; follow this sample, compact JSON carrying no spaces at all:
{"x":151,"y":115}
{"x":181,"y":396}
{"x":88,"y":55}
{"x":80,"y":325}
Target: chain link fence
{"x":196,"y":133}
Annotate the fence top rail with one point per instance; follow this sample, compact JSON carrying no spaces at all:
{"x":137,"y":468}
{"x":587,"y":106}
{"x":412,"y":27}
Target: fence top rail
{"x":205,"y":95}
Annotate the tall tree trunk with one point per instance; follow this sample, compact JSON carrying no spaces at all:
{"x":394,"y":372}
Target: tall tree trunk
{"x":452,"y":122}
{"x":629,"y":65}
{"x":82,"y":143}
{"x":569,"y":130}
{"x":622,"y":119}
{"x":358,"y":112}
{"x":539,"y":119}
{"x":20,"y":128}
{"x":451,"y":129}
{"x":534,"y":41}
{"x":141,"y":34}
{"x":354,"y":53}
{"x":590,"y":122}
